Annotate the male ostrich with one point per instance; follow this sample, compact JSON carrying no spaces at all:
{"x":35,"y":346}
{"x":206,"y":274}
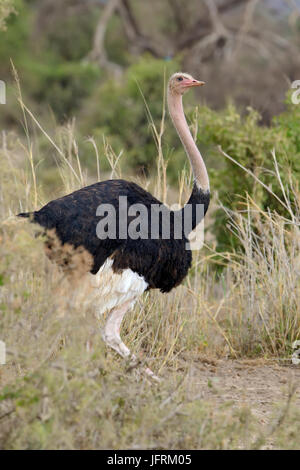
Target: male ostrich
{"x":123,"y":268}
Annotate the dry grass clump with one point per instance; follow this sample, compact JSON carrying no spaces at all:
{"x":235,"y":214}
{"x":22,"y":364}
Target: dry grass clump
{"x":261,"y":313}
{"x":264,"y":317}
{"x":73,"y":262}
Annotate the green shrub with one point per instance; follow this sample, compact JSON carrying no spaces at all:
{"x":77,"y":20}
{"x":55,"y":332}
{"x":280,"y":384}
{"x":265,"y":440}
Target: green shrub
{"x":6,"y":8}
{"x":52,"y":72}
{"x":69,"y":36}
{"x":62,"y":86}
{"x":251,"y":145}
{"x":117,"y":110}
{"x":14,"y":40}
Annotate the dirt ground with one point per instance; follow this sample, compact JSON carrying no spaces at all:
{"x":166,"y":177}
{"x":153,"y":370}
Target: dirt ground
{"x":257,"y":384}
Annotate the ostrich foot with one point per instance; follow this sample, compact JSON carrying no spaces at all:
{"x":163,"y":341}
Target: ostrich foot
{"x":111,"y":336}
{"x":137,"y":365}
{"x":152,"y":375}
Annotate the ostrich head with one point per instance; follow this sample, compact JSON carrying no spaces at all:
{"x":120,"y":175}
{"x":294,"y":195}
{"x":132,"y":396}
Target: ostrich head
{"x":180,"y":82}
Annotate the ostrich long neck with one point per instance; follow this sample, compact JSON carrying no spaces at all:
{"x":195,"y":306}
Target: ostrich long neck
{"x":182,"y":128}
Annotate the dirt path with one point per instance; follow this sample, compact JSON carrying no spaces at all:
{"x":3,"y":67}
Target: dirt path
{"x":255,"y":383}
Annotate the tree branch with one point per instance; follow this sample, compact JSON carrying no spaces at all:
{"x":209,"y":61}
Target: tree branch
{"x":245,"y":26}
{"x":98,"y":53}
{"x":177,"y":14}
{"x":202,"y":27}
{"x":138,"y":41}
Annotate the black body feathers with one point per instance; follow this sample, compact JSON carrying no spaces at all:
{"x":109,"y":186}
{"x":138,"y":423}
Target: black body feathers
{"x":162,"y":262}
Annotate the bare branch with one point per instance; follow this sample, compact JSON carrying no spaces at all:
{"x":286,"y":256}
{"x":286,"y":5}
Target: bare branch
{"x":215,"y":17}
{"x":177,"y":14}
{"x":245,"y":26}
{"x":138,"y":41}
{"x":98,"y":53}
{"x":202,"y":27}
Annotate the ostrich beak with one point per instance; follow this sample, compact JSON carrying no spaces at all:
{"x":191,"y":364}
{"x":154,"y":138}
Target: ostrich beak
{"x":193,"y":82}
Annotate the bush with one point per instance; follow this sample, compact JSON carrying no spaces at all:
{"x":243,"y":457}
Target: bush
{"x":52,"y":71}
{"x":62,"y":86}
{"x":251,"y":145}
{"x":117,"y":110}
{"x":6,"y":8}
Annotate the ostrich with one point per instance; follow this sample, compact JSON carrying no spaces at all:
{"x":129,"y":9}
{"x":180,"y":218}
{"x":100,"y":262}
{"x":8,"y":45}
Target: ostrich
{"x":123,"y":267}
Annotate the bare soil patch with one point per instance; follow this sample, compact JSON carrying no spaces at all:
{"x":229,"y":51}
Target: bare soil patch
{"x":257,"y":384}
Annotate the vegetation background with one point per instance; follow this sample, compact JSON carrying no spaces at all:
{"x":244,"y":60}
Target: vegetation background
{"x":85,"y":84}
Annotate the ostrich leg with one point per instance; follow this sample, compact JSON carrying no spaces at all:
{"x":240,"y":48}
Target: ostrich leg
{"x":111,"y":334}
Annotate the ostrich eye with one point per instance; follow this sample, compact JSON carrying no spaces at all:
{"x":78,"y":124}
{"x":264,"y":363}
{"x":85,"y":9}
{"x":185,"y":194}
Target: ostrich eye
{"x":179,"y":79}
